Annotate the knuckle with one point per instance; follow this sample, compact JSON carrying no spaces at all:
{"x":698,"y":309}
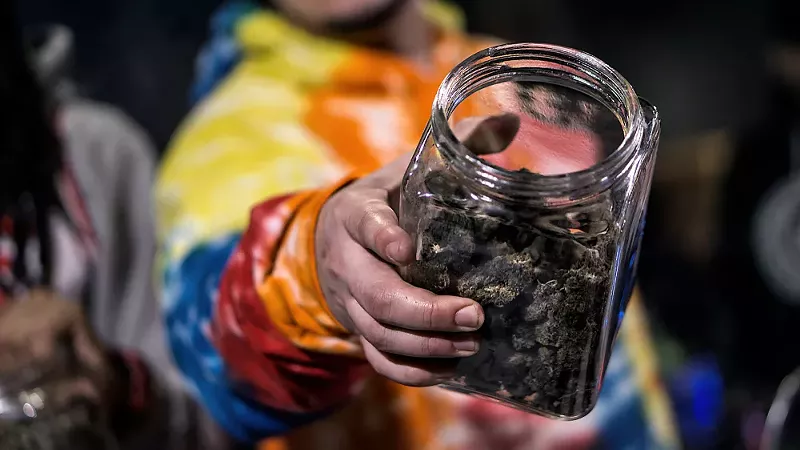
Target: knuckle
{"x":440,"y":347}
{"x":370,"y":214}
{"x":363,"y":221}
{"x":380,"y":304}
{"x":357,"y":214}
{"x":377,"y":335}
{"x":428,"y":310}
{"x":335,"y":263}
{"x":363,"y":224}
{"x":426,"y":346}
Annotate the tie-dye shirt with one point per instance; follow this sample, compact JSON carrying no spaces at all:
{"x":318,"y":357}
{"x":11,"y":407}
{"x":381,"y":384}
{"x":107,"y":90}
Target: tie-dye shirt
{"x":238,"y":197}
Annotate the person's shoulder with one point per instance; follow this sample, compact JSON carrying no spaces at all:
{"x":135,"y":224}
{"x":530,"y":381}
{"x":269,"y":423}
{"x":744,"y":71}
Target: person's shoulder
{"x":241,"y":95}
{"x":251,"y":125}
{"x":103,"y":133}
{"x":245,"y":142}
{"x":240,"y":109}
{"x":92,"y":119}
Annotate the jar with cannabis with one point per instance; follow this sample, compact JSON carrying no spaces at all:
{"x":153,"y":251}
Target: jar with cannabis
{"x":541,"y":227}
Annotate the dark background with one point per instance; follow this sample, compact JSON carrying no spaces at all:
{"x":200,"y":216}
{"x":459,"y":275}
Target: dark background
{"x":136,"y":54}
{"x":701,"y":62}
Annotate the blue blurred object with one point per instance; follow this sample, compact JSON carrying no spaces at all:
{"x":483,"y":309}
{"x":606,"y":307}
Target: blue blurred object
{"x":697,"y":393}
{"x":221,"y":53}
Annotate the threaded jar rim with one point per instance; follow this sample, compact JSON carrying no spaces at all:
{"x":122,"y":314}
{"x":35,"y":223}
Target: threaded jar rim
{"x":553,"y":64}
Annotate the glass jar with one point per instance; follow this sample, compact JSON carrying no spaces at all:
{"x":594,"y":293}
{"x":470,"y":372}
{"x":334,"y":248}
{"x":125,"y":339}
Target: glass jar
{"x":45,"y":406}
{"x":550,"y":257}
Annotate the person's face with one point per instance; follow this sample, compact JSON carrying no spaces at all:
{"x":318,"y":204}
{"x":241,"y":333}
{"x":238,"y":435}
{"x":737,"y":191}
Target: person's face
{"x":337,"y":14}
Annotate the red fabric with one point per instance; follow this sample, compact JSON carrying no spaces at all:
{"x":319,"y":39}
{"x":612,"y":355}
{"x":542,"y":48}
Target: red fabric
{"x":281,"y":375}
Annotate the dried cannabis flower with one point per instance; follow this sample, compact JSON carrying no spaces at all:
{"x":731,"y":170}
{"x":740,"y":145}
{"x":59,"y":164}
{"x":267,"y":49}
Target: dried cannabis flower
{"x":542,"y":279}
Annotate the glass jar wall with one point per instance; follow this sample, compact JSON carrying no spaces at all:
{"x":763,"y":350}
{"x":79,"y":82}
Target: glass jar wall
{"x":544,"y":235}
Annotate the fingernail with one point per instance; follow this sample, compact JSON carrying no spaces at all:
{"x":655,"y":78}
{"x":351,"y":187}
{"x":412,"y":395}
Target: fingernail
{"x":467,"y":347}
{"x":469,"y":317}
{"x":393,"y":252}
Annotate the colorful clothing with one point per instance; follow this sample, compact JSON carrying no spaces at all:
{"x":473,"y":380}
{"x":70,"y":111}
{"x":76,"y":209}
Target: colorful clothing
{"x":247,"y":321}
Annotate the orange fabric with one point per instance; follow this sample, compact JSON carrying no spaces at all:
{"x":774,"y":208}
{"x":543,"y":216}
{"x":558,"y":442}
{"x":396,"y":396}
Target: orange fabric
{"x":392,"y":93}
{"x":291,"y":293}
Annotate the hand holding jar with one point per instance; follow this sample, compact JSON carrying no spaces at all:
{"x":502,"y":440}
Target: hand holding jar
{"x":517,"y":240}
{"x":407,"y":332}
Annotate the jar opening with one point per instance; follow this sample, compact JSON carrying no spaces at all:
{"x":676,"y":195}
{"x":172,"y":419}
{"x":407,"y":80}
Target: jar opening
{"x":528,"y":77}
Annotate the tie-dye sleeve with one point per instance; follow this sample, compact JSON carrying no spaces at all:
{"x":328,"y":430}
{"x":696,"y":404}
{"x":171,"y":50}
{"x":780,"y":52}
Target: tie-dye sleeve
{"x":250,"y":328}
{"x":247,"y":325}
{"x":271,"y":324}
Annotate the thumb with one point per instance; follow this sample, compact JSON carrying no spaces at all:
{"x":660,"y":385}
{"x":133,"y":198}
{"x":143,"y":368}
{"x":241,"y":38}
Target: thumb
{"x":486,"y":135}
{"x":482,"y":135}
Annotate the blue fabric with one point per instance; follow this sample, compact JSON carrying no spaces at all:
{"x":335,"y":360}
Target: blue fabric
{"x":619,"y":414}
{"x":190,"y":289}
{"x":697,"y":390}
{"x":221,"y":53}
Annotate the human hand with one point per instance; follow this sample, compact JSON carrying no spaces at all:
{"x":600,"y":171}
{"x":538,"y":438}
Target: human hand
{"x":359,"y":244}
{"x":35,"y":326}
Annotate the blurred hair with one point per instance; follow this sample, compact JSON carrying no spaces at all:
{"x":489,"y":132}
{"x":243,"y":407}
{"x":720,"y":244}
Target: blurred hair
{"x":30,"y":154}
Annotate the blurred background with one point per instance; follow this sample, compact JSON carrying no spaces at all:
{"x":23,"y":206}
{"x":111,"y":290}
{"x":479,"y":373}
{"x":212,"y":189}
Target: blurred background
{"x":719,"y":243}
